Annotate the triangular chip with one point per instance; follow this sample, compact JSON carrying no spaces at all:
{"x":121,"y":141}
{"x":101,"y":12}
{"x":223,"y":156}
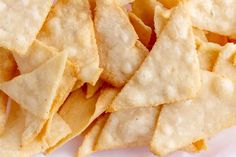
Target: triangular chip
{"x":145,"y":10}
{"x":8,"y":70}
{"x":117,"y":42}
{"x":36,"y":91}
{"x":207,"y":54}
{"x":90,"y":139}
{"x":129,"y":128}
{"x":225,"y":63}
{"x":78,"y":112}
{"x":144,"y":32}
{"x":10,"y":141}
{"x":34,"y":124}
{"x":185,"y":122}
{"x":69,"y":28}
{"x":171,"y":71}
{"x":21,"y":22}
{"x":213,"y":15}
{"x":37,"y":54}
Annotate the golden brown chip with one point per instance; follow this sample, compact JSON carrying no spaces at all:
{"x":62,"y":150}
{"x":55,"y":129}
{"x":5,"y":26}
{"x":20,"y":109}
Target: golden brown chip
{"x":69,"y":28}
{"x":91,"y":90}
{"x":165,"y":77}
{"x":90,"y":139}
{"x":144,"y":32}
{"x":199,"y":118}
{"x":208,"y":54}
{"x":216,"y":38}
{"x":117,"y":42}
{"x":86,"y":110}
{"x":169,"y":3}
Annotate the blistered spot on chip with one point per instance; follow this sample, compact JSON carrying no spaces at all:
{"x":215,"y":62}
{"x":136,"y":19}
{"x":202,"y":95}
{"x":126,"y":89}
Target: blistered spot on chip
{"x":224,"y":87}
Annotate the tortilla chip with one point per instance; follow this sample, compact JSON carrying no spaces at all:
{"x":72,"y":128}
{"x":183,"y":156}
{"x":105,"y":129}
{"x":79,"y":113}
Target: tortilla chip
{"x":200,"y":36}
{"x":122,"y":128}
{"x":165,"y":77}
{"x":169,"y":3}
{"x":90,"y":139}
{"x":21,"y":22}
{"x":36,"y":55}
{"x":185,"y":122}
{"x":10,"y":141}
{"x":119,"y":54}
{"x":124,"y":2}
{"x":216,"y":38}
{"x":214,"y":16}
{"x":145,"y":10}
{"x":196,"y":147}
{"x":91,"y":90}
{"x":37,"y":91}
{"x":207,"y":54}
{"x":8,"y":70}
{"x":69,"y":28}
{"x":144,"y":32}
{"x":225,"y":62}
{"x":86,"y":110}
{"x":161,"y":17}
{"x":34,"y":125}
{"x":57,"y":130}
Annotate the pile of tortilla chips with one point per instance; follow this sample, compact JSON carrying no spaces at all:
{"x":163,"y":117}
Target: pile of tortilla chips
{"x":121,"y":73}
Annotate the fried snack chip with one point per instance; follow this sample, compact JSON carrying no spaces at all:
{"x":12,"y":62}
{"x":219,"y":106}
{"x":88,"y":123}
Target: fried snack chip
{"x":37,"y":92}
{"x":90,"y":139}
{"x":145,"y":10}
{"x":161,"y":17}
{"x":225,"y":62}
{"x":165,"y":77}
{"x":8,"y":70}
{"x":35,"y":124}
{"x":21,"y":22}
{"x":207,"y":54}
{"x":214,"y":16}
{"x":36,"y":55}
{"x":91,"y":90}
{"x":196,"y":147}
{"x":122,"y":128}
{"x":69,"y":28}
{"x":10,"y":141}
{"x":169,"y":3}
{"x":117,"y":42}
{"x":86,"y":110}
{"x":200,"y":36}
{"x":185,"y":122}
{"x":216,"y":38}
{"x":144,"y":32}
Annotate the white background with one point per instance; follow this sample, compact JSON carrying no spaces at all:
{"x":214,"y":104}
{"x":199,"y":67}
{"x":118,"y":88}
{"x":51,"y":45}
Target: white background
{"x":222,"y":145}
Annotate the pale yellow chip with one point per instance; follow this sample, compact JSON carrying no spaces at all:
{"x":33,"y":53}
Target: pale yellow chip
{"x":165,"y":77}
{"x":225,"y":62}
{"x":10,"y":141}
{"x":86,"y":110}
{"x":33,"y":124}
{"x":185,"y":122}
{"x":195,"y":147}
{"x":200,"y":36}
{"x":161,"y":17}
{"x":207,"y":54}
{"x":37,"y":54}
{"x":20,"y":22}
{"x":119,"y":54}
{"x":90,"y":139}
{"x":69,"y":28}
{"x":216,"y":38}
{"x":91,"y":90}
{"x":213,"y":15}
{"x":144,"y":32}
{"x":129,"y":128}
{"x":145,"y":10}
{"x":169,"y":3}
{"x":36,"y":91}
{"x":8,"y":70}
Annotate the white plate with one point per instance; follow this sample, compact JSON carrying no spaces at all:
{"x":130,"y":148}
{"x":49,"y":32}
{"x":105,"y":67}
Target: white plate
{"x":222,"y":145}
